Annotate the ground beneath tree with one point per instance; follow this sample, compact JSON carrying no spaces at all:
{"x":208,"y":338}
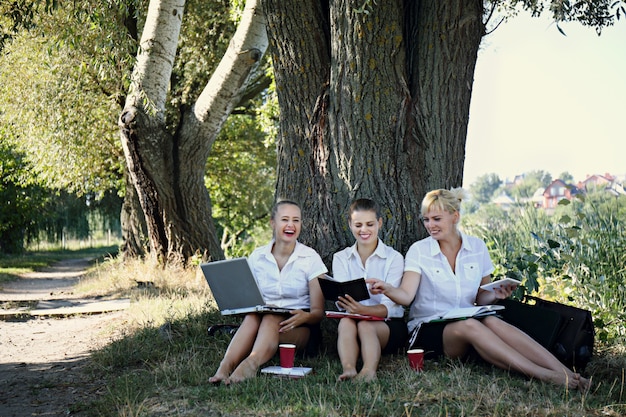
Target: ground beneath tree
{"x":44,"y":359}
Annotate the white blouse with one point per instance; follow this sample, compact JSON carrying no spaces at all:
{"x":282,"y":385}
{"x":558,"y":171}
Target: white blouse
{"x":440,"y":288}
{"x":288,"y":287}
{"x":385,"y":264}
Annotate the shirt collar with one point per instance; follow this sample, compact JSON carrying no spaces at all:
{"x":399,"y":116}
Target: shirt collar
{"x":267,"y":250}
{"x":380,"y":251}
{"x":465,"y":245}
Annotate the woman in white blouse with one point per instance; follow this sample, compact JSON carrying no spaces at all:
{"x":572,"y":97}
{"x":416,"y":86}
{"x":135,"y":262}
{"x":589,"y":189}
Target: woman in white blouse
{"x":286,"y":272}
{"x":444,"y":271}
{"x":369,"y":257}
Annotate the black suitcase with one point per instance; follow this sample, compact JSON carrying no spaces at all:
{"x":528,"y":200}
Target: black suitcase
{"x":566,"y":331}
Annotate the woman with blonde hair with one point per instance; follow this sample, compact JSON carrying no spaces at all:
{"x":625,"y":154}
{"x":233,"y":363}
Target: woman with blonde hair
{"x":444,"y":271}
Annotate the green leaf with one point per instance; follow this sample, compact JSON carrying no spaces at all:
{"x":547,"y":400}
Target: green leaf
{"x":564,"y":202}
{"x":553,"y":244}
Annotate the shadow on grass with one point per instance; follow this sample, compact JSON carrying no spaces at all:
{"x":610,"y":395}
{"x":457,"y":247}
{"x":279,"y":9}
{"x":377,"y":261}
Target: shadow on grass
{"x":164,"y":370}
{"x":52,"y":388}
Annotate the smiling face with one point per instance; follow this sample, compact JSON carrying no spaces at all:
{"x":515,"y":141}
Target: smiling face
{"x":364,"y":226}
{"x":441,"y":224}
{"x":287,"y":223}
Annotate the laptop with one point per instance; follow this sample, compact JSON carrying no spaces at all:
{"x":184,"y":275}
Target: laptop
{"x":234,"y":288}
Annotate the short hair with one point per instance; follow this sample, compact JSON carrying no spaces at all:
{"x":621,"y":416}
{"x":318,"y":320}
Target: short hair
{"x":282,"y":202}
{"x":447,"y":200}
{"x":364,"y":204}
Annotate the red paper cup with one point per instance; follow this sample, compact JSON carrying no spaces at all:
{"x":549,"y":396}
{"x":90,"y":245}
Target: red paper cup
{"x":287,"y":355}
{"x":416,"y":359}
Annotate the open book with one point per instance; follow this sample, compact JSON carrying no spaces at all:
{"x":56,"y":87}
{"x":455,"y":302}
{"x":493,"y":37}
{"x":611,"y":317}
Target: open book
{"x":467,"y":312}
{"x":356,"y":288}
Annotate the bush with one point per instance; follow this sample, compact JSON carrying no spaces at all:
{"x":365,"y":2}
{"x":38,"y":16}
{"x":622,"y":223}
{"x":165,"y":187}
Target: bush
{"x":573,"y":255}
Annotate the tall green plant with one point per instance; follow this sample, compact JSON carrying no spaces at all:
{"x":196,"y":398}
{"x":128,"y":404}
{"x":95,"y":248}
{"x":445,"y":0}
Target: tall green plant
{"x":241,"y":182}
{"x":21,"y":199}
{"x":30,"y":211}
{"x":573,"y":255}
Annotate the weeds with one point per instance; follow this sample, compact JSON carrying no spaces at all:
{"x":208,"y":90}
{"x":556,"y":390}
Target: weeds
{"x":152,"y":371}
{"x":159,"y":363}
{"x":574,"y":256}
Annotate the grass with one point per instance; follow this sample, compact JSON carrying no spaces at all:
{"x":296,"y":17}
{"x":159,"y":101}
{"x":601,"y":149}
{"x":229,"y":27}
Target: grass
{"x":12,"y":266}
{"x":160,"y":363}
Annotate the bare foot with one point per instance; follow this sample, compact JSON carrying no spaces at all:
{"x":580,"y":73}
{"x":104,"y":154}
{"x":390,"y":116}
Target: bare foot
{"x":366,"y":375}
{"x":583,"y":383}
{"x":347,"y":374}
{"x":246,"y":370}
{"x":567,"y":378}
{"x":220,"y":375}
{"x":216,"y":379}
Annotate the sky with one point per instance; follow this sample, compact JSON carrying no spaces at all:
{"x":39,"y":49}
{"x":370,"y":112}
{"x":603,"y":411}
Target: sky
{"x":545,"y":101}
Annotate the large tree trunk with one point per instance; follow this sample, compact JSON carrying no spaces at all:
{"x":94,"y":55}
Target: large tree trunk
{"x":168,"y":169}
{"x":443,"y":40}
{"x":134,"y":232}
{"x":373,"y":104}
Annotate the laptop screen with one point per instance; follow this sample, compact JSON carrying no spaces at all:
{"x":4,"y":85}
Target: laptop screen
{"x":232,"y":284}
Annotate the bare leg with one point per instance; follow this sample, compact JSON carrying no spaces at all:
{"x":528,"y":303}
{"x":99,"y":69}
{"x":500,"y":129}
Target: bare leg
{"x":532,"y":350}
{"x":347,"y":347}
{"x":494,"y":349}
{"x":298,"y":336}
{"x":373,"y":336}
{"x":264,"y":347}
{"x":239,"y":347}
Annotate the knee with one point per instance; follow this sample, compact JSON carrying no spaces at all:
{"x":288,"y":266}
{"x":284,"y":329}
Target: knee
{"x":346,"y":326}
{"x":366,"y":329}
{"x":364,"y":325}
{"x":495,"y":323}
{"x":252,"y":319}
{"x":466,"y":329}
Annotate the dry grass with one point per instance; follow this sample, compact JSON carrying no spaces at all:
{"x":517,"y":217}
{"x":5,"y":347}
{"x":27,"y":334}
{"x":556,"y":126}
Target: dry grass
{"x":161,"y":365}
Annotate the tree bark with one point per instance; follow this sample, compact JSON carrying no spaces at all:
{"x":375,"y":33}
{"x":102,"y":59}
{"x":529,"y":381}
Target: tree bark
{"x":374,"y":103}
{"x":300,"y":49}
{"x":134,"y":232}
{"x":444,"y":38}
{"x":168,"y":169}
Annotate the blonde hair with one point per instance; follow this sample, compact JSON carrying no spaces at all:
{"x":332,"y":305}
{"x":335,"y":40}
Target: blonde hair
{"x":448,"y":200}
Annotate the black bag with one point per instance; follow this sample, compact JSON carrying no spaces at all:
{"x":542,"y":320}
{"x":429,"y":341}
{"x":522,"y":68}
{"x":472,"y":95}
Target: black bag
{"x":566,"y":331}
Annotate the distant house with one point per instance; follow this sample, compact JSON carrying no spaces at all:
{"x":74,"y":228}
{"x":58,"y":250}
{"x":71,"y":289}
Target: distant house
{"x":519,"y":179}
{"x":596,"y":182}
{"x":549,"y":197}
{"x":503,"y":201}
{"x":537,"y":198}
{"x":557,"y":191}
{"x":516,"y":181}
{"x":616,"y":188}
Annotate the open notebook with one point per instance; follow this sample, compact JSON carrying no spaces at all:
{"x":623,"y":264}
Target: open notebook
{"x":468,"y":312}
{"x":234,"y":288}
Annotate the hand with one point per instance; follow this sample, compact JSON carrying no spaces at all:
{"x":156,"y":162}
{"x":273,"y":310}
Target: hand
{"x":376,"y":286}
{"x":298,"y":317}
{"x":349,"y":304}
{"x":504,"y":291}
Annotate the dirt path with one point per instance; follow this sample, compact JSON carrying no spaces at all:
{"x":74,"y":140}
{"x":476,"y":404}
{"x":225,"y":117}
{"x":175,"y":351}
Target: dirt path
{"x":42,"y":360}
